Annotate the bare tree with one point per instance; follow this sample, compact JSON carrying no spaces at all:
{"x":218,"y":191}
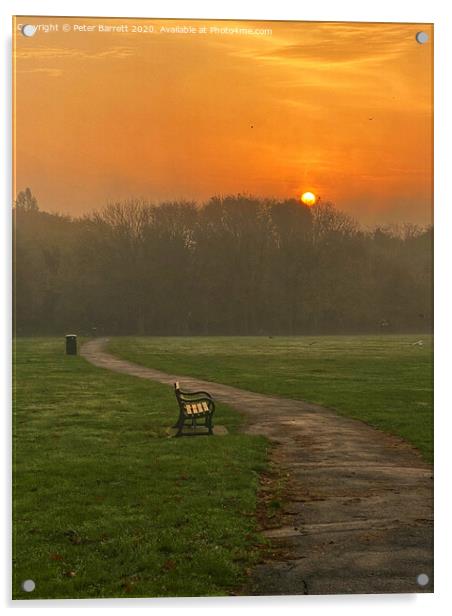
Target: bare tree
{"x":26,"y":201}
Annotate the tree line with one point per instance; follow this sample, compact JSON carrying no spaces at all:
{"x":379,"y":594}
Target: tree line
{"x":236,"y":265}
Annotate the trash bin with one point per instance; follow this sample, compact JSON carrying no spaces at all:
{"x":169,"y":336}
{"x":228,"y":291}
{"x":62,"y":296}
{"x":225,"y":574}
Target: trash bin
{"x":71,"y":344}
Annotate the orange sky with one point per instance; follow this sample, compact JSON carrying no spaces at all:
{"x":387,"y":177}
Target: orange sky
{"x":343,"y":110}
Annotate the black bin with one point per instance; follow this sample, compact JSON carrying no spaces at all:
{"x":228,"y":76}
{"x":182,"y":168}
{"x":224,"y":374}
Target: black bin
{"x":71,"y":344}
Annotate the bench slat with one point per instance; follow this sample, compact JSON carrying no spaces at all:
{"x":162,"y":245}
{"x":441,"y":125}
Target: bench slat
{"x":197,"y":408}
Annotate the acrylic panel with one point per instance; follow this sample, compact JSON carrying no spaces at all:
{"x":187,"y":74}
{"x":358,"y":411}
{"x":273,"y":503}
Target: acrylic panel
{"x":222,"y":308}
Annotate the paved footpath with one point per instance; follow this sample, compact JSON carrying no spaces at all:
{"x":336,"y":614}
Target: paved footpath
{"x":359,"y":516}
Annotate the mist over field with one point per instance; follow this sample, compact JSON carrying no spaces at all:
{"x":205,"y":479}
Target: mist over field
{"x":235,"y":265}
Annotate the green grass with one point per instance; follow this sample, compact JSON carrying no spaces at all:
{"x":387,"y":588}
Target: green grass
{"x":383,"y":380}
{"x":105,"y":504}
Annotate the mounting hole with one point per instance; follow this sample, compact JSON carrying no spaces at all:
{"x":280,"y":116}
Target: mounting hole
{"x":28,"y":586}
{"x":423,"y":579}
{"x":29,"y":30}
{"x":422,"y":37}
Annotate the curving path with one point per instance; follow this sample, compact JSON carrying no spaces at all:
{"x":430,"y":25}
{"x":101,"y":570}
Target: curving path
{"x":359,"y":516}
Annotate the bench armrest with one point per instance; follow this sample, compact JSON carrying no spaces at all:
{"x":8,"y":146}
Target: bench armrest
{"x":209,"y":401}
{"x":204,"y":394}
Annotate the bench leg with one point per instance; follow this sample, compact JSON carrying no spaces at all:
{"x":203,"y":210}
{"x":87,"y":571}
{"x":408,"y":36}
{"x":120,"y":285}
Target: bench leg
{"x":180,"y":425}
{"x":209,"y":423}
{"x":176,"y":425}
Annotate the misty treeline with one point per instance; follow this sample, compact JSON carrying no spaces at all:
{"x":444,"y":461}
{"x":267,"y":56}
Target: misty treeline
{"x":235,"y":265}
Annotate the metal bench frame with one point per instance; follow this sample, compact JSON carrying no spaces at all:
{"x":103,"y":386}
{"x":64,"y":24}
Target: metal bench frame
{"x":189,"y":410}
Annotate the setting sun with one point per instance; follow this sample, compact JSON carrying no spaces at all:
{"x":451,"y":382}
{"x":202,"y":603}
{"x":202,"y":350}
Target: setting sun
{"x":308,"y":198}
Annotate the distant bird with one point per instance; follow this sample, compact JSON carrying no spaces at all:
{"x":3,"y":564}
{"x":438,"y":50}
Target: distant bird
{"x":251,"y":126}
{"x":370,"y":118}
{"x":311,"y":343}
{"x":418,"y":343}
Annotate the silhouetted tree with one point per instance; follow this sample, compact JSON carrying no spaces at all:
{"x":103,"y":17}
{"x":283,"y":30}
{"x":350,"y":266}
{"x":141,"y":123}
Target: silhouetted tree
{"x":235,"y":265}
{"x":26,"y":201}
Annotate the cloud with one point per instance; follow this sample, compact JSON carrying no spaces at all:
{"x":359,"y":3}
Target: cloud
{"x":61,"y":53}
{"x":52,"y":61}
{"x":348,"y":46}
{"x":51,"y":72}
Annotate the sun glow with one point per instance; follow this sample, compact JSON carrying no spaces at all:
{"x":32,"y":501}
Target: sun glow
{"x":308,"y":198}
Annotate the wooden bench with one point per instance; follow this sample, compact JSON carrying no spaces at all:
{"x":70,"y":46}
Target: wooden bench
{"x":194,"y":406}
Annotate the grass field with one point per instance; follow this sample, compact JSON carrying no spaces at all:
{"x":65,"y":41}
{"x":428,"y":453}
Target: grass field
{"x":384,"y":380}
{"x":105,"y":504}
